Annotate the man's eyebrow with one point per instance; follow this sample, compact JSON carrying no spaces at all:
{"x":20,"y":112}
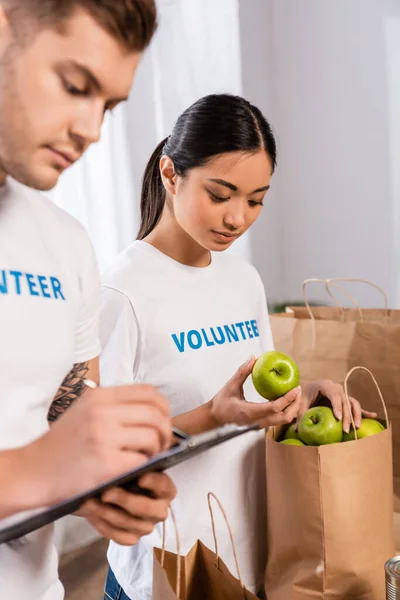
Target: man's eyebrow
{"x":94,"y":82}
{"x":235,"y":189}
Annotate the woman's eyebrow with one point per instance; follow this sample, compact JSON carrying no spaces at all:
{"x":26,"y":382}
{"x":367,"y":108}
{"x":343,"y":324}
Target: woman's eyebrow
{"x":234,"y":187}
{"x":225,"y":183}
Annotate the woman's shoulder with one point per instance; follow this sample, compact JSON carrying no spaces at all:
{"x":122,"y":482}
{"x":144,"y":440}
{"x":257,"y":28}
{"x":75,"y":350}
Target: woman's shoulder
{"x":236,"y":266}
{"x":131,"y":264}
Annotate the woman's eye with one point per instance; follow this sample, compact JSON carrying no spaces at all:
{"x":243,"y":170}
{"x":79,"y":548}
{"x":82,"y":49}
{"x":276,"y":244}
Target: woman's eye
{"x":216,"y":198}
{"x":253,"y":203}
{"x":73,"y":90}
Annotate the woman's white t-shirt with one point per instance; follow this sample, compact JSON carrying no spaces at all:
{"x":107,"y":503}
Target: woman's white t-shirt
{"x":186,"y":330}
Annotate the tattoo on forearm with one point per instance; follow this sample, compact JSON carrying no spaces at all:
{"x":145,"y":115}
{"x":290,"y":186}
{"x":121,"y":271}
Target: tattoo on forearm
{"x":71,"y":388}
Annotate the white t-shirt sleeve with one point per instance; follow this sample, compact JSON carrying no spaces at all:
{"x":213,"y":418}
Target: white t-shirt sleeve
{"x":264,"y":326}
{"x":119,"y":337}
{"x":87,"y":342}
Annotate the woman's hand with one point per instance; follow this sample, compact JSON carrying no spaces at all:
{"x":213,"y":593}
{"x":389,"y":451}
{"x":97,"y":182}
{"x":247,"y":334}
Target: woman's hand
{"x":334,"y":392}
{"x":229,"y":404}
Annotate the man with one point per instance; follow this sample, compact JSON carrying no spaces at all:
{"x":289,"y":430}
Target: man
{"x":63,"y":64}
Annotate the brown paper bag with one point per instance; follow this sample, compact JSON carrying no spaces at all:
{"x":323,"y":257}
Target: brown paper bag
{"x":326,"y":342}
{"x":200,"y":575}
{"x":329,"y":518}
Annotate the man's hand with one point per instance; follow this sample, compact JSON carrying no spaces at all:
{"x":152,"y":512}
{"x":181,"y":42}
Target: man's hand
{"x":125,"y":517}
{"x":229,"y":404}
{"x":105,"y":433}
{"x":334,"y":393}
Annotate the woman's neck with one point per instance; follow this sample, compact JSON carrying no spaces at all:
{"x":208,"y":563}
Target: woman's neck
{"x":170,"y":239}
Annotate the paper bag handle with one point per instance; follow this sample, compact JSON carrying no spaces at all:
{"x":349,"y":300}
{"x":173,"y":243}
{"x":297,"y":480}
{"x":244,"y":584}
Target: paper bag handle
{"x":328,"y":283}
{"x":366,"y":281}
{"x":333,"y":281}
{"x":209,"y":496}
{"x":178,"y":552}
{"x":306,"y":282}
{"x":348,"y":401}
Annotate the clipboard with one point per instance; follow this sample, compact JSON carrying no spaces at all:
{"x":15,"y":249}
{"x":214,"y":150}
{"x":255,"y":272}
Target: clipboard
{"x":17,"y":526}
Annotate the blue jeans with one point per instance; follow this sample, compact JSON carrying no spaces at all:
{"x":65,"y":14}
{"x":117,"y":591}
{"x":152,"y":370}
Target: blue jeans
{"x":112,"y":590}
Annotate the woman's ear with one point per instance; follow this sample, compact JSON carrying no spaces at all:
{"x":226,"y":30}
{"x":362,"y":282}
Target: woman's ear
{"x":168,"y":174}
{"x":6,"y":35}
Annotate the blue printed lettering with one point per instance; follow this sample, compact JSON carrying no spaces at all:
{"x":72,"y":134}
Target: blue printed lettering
{"x":32,"y":285}
{"x":207,"y":341}
{"x":3,"y":285}
{"x":180,"y":344}
{"x":56,"y":285}
{"x":255,"y":328}
{"x":247,"y":323}
{"x":193,"y":333}
{"x":206,"y":337}
{"x":231,"y":333}
{"x":44,"y":286}
{"x":241,"y":327}
{"x":17,"y":276}
{"x":221,"y":339}
{"x":11,"y":281}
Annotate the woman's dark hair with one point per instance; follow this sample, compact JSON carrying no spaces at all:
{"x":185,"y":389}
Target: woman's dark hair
{"x":213,"y":125}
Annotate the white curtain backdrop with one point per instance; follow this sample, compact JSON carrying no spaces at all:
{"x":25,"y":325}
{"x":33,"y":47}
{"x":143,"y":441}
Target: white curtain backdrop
{"x":196,"y":51}
{"x":392,"y":46}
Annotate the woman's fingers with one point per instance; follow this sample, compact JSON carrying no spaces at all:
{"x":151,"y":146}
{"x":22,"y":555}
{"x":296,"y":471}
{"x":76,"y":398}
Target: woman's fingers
{"x":294,"y":405}
{"x":369,"y":415}
{"x":335,"y":393}
{"x":258,"y":412}
{"x":287,"y":400}
{"x":291,"y":411}
{"x":284,"y":410}
{"x":356,"y":410}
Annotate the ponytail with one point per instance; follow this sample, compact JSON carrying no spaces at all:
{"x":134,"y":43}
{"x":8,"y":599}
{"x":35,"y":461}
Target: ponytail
{"x":153,"y":193}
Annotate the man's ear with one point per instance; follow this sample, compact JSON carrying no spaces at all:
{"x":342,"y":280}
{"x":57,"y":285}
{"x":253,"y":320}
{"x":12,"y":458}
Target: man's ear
{"x":168,"y":174}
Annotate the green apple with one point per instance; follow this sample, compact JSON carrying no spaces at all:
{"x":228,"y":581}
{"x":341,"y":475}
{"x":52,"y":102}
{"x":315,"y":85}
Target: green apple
{"x":274,"y":375}
{"x":291,"y":433}
{"x":292,"y":442}
{"x":367,"y":427}
{"x":319,"y":426}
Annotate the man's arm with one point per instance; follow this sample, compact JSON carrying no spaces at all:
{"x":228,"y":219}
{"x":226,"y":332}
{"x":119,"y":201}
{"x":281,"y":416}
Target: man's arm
{"x":73,"y":387}
{"x":108,"y":432}
{"x":119,"y":515}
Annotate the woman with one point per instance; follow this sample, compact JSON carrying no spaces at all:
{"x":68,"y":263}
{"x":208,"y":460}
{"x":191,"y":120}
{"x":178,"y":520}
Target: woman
{"x":181,"y":314}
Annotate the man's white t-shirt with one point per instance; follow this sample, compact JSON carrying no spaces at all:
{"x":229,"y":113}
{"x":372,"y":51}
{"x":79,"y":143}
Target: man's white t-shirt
{"x":186,"y":330}
{"x":49,"y":308}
